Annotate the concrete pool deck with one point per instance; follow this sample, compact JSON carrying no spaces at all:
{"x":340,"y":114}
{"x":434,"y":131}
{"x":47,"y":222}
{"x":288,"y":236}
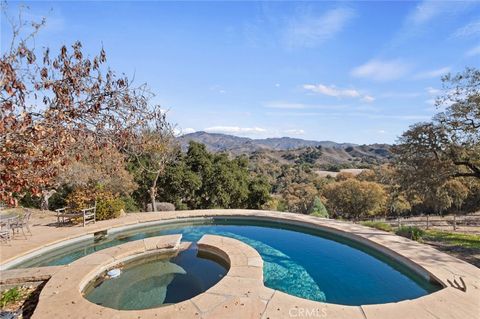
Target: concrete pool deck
{"x":452,"y":273}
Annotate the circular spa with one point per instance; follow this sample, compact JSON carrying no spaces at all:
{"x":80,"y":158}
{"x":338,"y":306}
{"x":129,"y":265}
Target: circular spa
{"x":307,"y":262}
{"x":155,"y":281}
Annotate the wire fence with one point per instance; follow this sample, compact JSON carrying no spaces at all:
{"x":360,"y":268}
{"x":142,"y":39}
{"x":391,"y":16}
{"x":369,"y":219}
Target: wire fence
{"x":432,"y":221}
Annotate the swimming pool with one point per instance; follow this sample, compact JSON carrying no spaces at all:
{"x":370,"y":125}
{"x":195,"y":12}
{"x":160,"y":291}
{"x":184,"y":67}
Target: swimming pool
{"x":305,"y":262}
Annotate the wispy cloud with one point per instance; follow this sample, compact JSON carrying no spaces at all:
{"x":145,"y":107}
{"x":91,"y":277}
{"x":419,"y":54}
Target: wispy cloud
{"x":424,"y":15}
{"x":368,"y":98}
{"x":332,"y":90}
{"x":400,"y":95}
{"x":364,"y":114}
{"x":413,"y":117}
{"x":285,"y":105}
{"x":236,"y":130}
{"x":382,"y":70}
{"x":310,"y":31}
{"x":426,"y":11}
{"x":188,"y":130}
{"x":218,"y":88}
{"x":433,"y":73}
{"x":295,"y":132}
{"x":432,"y":91}
{"x":177,"y":131}
{"x":473,"y":51}
{"x":471,"y":29}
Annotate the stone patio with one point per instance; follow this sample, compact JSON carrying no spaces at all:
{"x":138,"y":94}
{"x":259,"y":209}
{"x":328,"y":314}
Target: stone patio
{"x":250,"y":298}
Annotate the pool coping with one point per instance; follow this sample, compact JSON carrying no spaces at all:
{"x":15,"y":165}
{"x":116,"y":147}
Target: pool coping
{"x":63,"y":292}
{"x":452,"y":273}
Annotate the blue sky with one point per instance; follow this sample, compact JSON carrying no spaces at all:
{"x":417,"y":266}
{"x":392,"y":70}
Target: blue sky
{"x":357,"y":72}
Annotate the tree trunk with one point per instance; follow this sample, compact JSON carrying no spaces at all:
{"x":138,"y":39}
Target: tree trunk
{"x":152,"y":198}
{"x":45,"y":198}
{"x":153,"y":191}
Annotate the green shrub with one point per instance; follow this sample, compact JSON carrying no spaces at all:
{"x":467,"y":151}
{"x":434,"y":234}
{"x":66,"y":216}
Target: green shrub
{"x":378,"y":225}
{"x":281,"y":206}
{"x":181,"y":206}
{"x":109,"y":208}
{"x":318,"y":209}
{"x":30,"y":201}
{"x":410,"y":232}
{"x":10,"y":296}
{"x":59,"y":199}
{"x":130,"y":204}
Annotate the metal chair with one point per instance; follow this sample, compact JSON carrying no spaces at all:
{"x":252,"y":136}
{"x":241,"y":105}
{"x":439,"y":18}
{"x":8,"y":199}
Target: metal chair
{"x":22,"y":223}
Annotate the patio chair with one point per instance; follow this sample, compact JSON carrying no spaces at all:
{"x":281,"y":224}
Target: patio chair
{"x":21,"y":223}
{"x":88,"y":215}
{"x":64,"y":215}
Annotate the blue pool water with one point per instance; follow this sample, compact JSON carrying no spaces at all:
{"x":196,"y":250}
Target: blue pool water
{"x":311,"y":264}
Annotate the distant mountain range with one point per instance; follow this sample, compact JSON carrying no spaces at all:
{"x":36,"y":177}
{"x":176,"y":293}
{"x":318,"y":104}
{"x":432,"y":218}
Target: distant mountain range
{"x":287,"y":150}
{"x":216,"y":142}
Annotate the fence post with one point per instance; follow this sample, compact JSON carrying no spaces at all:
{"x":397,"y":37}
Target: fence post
{"x":427,"y":222}
{"x":454,"y":222}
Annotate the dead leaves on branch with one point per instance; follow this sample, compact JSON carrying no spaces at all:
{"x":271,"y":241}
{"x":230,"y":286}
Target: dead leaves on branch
{"x":53,"y":109}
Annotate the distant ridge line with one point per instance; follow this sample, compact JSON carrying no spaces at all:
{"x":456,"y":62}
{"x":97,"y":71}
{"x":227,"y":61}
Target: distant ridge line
{"x":218,"y":142}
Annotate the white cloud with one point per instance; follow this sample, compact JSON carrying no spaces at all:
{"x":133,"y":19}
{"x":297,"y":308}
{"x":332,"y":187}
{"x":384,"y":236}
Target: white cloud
{"x":399,"y":117}
{"x":308,"y":31}
{"x":218,"y":88}
{"x":368,"y":99}
{"x":429,"y":10}
{"x":433,"y":73}
{"x":285,"y":105}
{"x":295,"y":132}
{"x":432,"y":91}
{"x":426,"y":14}
{"x":189,"y":130}
{"x":473,"y":51}
{"x":426,"y":11}
{"x":430,"y":101}
{"x":379,"y":70}
{"x":235,"y":130}
{"x":370,"y":115}
{"x":332,"y":90}
{"x":470,"y":29}
{"x":400,"y":95}
{"x":277,"y":85}
{"x":381,"y":131}
{"x":179,"y":131}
